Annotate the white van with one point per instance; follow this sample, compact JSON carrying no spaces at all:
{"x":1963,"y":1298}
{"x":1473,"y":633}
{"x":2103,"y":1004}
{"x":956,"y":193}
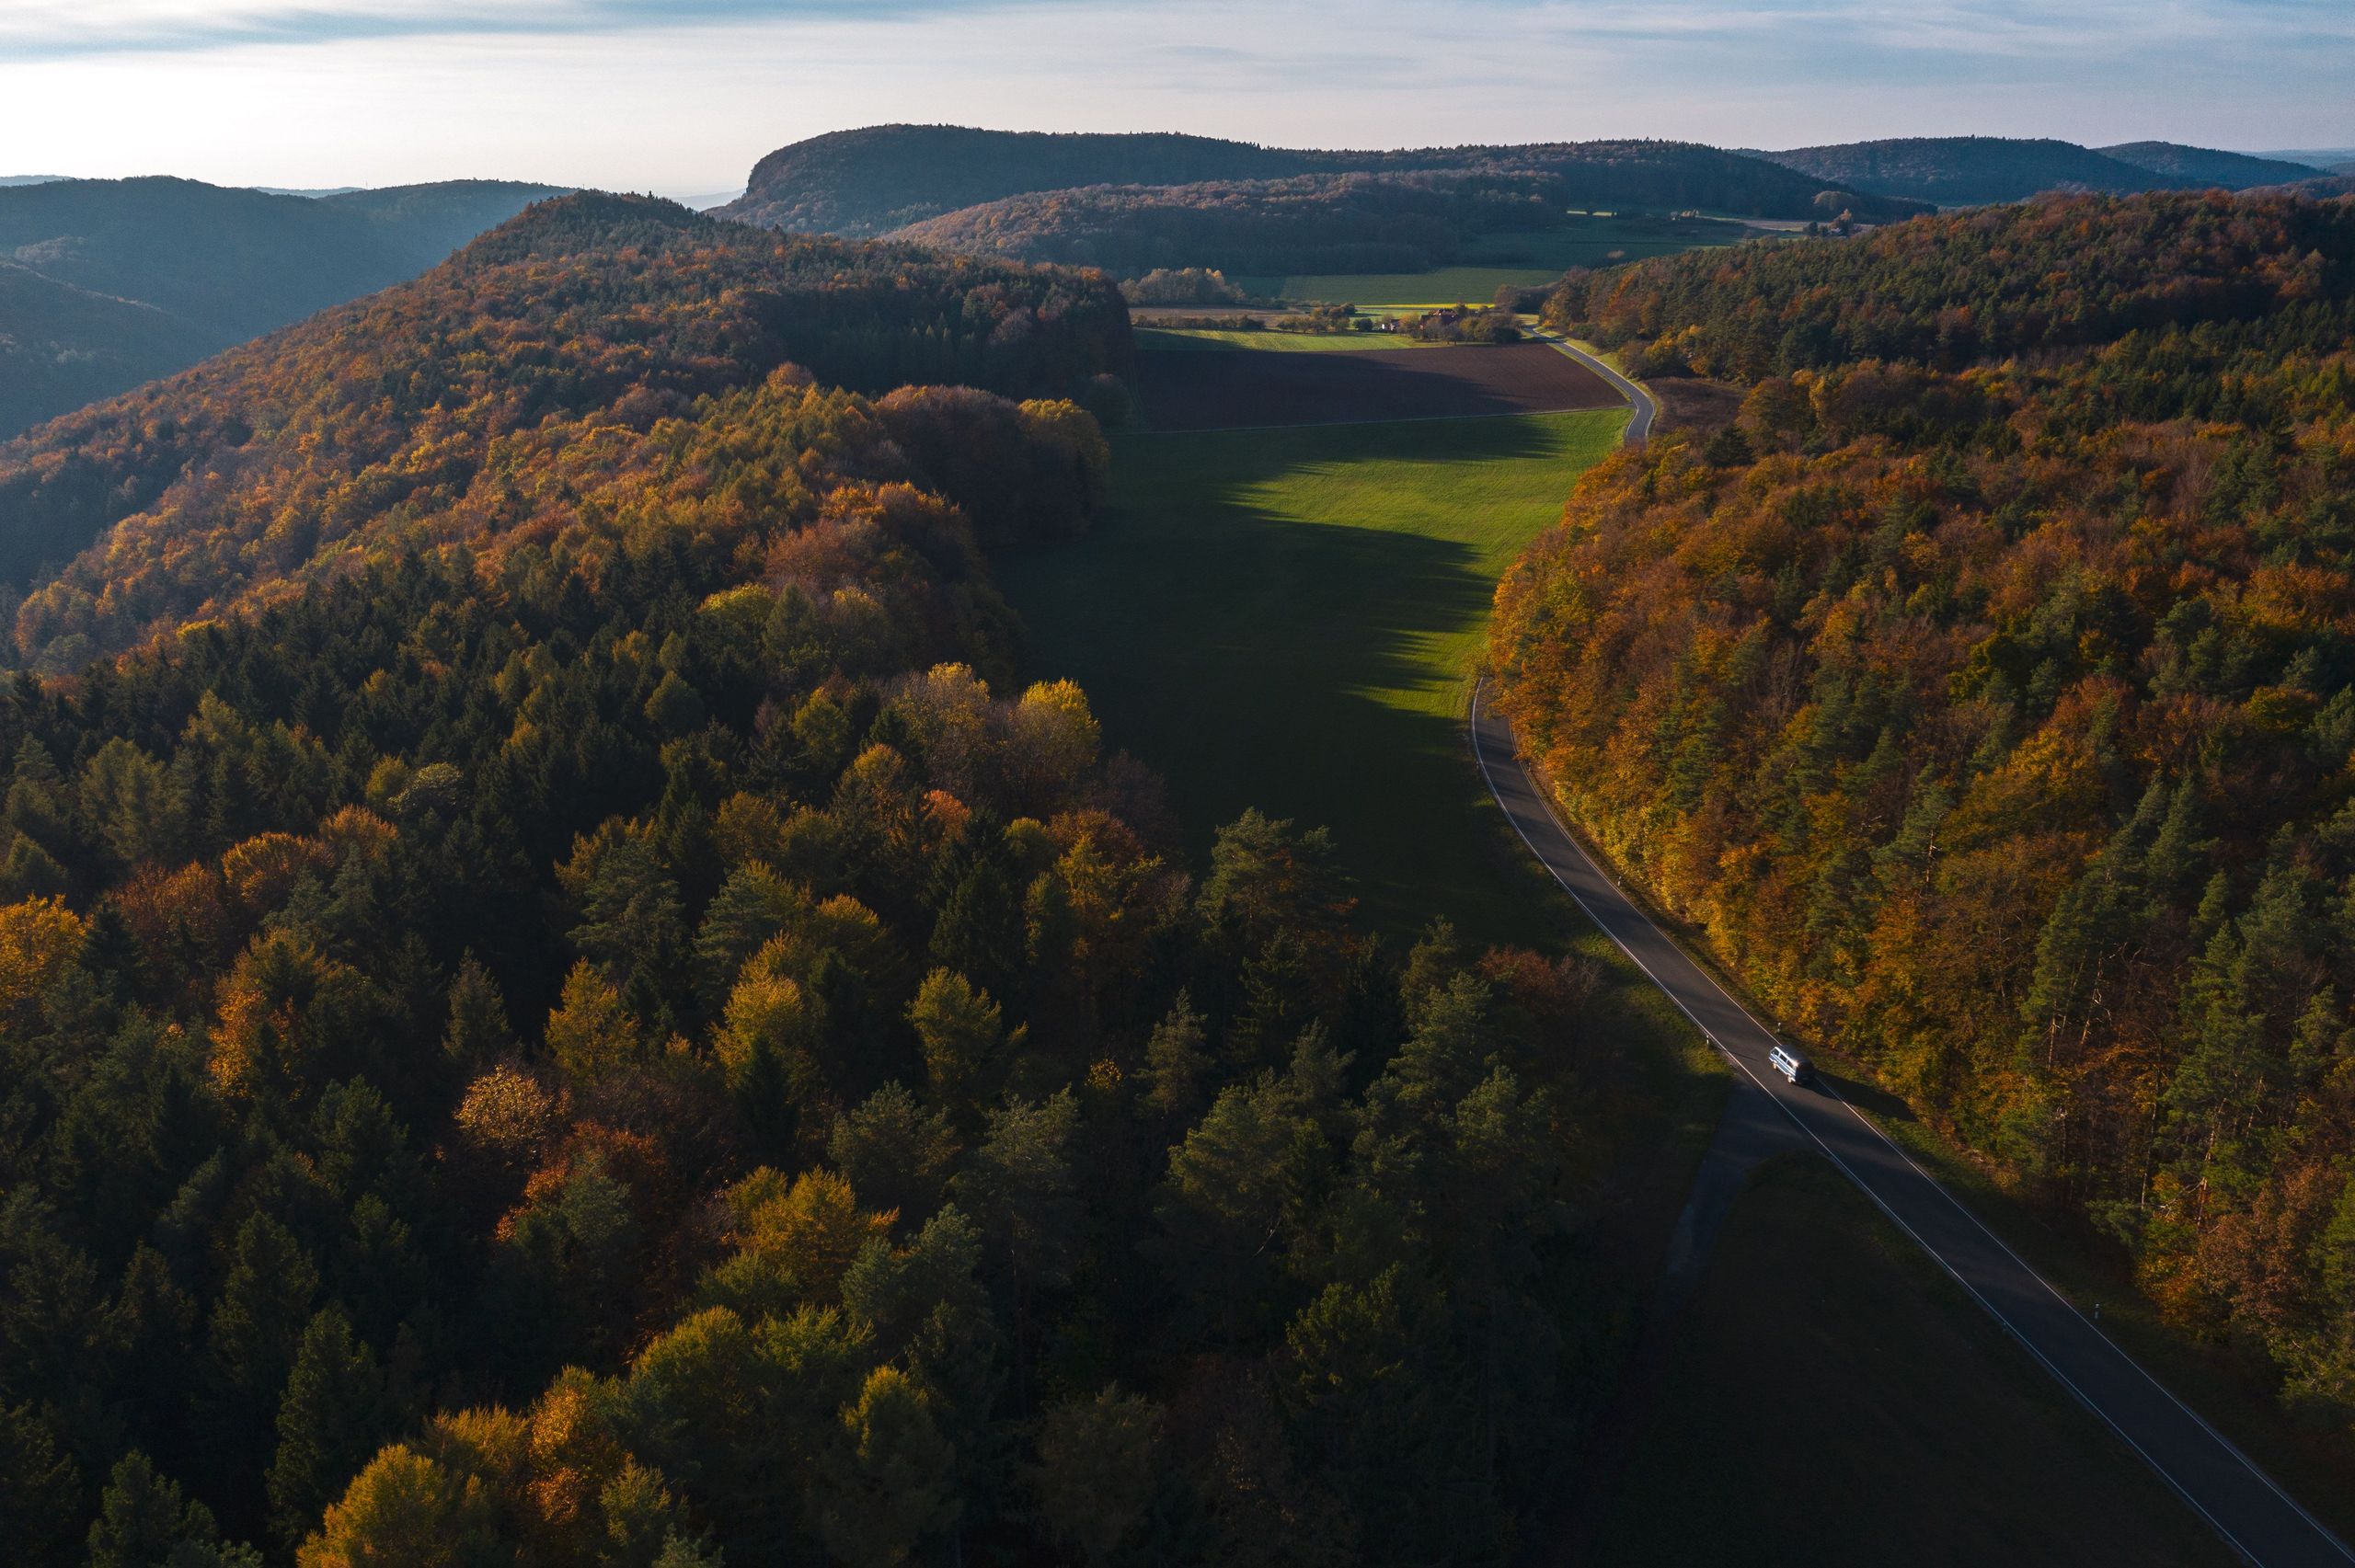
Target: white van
{"x":1790,"y":1064}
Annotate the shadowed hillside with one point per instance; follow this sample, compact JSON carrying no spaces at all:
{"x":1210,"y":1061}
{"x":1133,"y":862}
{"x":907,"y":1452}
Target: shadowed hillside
{"x":559,"y":1005}
{"x":1956,"y":171}
{"x":2206,"y":165}
{"x":202,"y":268}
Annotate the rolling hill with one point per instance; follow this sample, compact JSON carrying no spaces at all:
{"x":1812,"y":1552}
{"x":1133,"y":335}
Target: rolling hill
{"x":139,"y":277}
{"x":61,"y":346}
{"x":1955,"y":171}
{"x":295,"y":456}
{"x":2208,"y":166}
{"x":2321,"y":187}
{"x":870,"y":182}
{"x":1312,"y":223}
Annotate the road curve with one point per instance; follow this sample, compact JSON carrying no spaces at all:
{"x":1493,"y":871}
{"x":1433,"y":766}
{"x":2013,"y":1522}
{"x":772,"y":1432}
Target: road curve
{"x":2253,"y":1514}
{"x":1639,"y":423}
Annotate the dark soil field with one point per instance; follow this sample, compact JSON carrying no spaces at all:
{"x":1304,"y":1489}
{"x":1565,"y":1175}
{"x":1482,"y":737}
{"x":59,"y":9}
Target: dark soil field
{"x":1212,"y":391}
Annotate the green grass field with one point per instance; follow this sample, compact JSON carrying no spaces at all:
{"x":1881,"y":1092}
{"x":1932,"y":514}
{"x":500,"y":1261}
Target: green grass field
{"x":1208,"y":341}
{"x":1832,"y":1398}
{"x":1496,"y":261}
{"x":1283,"y":619}
{"x":1286,"y":619}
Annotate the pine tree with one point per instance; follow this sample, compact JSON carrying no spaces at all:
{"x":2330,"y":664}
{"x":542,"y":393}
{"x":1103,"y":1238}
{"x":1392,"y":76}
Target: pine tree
{"x":479,"y":1029}
{"x":1098,"y":1471}
{"x":255,"y":1328}
{"x":331,"y":1420}
{"x":40,"y":1491}
{"x":890,"y":1484}
{"x":143,"y":1521}
{"x":960,"y":1029}
{"x":1176,"y":1063}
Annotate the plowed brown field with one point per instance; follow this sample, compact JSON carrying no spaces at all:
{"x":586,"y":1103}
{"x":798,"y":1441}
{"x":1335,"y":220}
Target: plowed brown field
{"x":1231,"y":391}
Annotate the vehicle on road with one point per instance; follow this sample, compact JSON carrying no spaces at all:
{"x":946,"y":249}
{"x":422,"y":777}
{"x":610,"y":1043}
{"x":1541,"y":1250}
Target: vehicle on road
{"x":1791,"y":1065}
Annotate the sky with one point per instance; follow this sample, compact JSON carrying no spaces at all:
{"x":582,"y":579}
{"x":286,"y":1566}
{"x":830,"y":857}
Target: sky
{"x":681,"y":97}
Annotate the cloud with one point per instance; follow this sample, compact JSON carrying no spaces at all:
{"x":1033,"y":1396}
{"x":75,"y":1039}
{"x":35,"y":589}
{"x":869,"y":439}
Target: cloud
{"x":687,"y":96}
{"x":37,"y":28}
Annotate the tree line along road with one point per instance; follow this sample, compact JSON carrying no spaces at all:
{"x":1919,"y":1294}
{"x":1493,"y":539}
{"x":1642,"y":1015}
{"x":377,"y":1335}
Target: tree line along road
{"x":2222,"y":1485}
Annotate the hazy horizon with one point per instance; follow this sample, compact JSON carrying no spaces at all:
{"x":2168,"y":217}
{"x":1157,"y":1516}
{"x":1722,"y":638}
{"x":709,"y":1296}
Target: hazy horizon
{"x":683,"y":98}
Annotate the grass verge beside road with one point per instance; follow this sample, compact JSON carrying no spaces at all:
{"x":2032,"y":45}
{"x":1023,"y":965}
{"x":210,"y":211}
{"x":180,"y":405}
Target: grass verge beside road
{"x":1834,"y":1398}
{"x":2228,"y":1389}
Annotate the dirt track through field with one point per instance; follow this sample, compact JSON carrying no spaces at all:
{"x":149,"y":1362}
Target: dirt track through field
{"x":1229,"y":391}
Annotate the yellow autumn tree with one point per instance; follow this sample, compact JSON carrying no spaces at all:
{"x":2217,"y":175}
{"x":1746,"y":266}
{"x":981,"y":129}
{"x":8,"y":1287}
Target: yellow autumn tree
{"x":812,"y":1226}
{"x":39,"y":940}
{"x":591,"y":1033}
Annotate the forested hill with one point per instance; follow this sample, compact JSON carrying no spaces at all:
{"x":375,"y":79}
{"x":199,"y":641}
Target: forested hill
{"x":1387,"y":221}
{"x":1952,"y":290}
{"x":1987,"y":694}
{"x":874,"y":181}
{"x":481,"y":400}
{"x":2207,"y":166}
{"x":871,"y":181}
{"x":1967,"y":170}
{"x":61,"y":346}
{"x":133,"y":279}
{"x":604,"y":1029}
{"x":1312,"y":223}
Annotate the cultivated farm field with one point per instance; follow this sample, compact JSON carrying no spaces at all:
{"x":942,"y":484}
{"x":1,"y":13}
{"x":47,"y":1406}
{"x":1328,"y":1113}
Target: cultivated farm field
{"x":1195,"y":391}
{"x":1203,"y":339}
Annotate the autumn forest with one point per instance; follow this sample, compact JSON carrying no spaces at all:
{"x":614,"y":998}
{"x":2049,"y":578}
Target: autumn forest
{"x":1986,"y":689}
{"x":562,"y":1005}
{"x":570,"y":993}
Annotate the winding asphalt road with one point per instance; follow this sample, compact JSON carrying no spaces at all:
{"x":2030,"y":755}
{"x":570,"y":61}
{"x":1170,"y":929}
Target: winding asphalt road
{"x":2221,"y":1483}
{"x":1639,"y":423}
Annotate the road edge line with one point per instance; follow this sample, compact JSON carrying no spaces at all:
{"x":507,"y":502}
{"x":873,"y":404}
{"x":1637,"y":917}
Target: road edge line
{"x":1479,"y":754}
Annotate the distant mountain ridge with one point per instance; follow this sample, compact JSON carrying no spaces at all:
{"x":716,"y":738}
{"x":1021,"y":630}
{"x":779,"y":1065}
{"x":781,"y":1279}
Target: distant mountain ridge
{"x":2321,"y":188}
{"x":113,"y":282}
{"x":2208,"y":165}
{"x":870,"y":182}
{"x":1956,"y":171}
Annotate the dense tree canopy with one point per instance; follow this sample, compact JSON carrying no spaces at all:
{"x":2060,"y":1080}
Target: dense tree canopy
{"x":1357,"y":222}
{"x":569,"y":369}
{"x":882,"y":178}
{"x":1955,"y":170}
{"x":1987,"y":693}
{"x":585,"y":1017}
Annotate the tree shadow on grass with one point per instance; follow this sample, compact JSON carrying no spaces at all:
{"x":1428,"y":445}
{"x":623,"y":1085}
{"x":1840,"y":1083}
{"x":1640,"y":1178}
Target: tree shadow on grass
{"x":1265,"y":643}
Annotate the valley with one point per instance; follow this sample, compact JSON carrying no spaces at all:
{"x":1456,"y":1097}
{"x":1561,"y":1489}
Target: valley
{"x":1092,"y":850}
{"x":1273,"y":615}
